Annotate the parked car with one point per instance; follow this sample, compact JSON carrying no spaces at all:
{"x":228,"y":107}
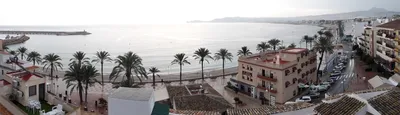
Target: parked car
{"x":304,"y":99}
{"x":331,"y":81}
{"x":335,"y":74}
{"x":314,"y":95}
{"x":341,"y":64}
{"x":290,"y":102}
{"x":318,"y":88}
{"x":327,"y":84}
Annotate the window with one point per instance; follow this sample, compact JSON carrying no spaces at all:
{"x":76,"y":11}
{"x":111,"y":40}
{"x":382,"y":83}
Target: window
{"x":32,"y":90}
{"x":287,"y":84}
{"x":263,"y":83}
{"x":287,"y":72}
{"x":298,"y":59}
{"x":298,"y":71}
{"x":243,"y":66}
{"x":294,"y":69}
{"x":294,"y":93}
{"x":2,"y":72}
{"x":294,"y":80}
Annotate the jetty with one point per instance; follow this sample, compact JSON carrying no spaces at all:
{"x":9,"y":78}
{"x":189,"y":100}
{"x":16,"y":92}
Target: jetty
{"x":57,"y":33}
{"x":15,"y":40}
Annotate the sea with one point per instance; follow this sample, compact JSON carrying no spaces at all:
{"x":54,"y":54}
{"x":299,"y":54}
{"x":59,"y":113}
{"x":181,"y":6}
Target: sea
{"x":157,"y":44}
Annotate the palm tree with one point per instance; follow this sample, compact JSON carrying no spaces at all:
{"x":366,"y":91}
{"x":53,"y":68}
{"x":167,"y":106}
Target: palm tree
{"x":52,"y":61}
{"x":34,"y":57}
{"x":292,"y":45}
{"x":244,"y":51}
{"x":180,"y":59}
{"x":263,"y":46}
{"x":154,"y":70}
{"x":223,"y":54}
{"x":73,"y":78}
{"x":22,"y":51}
{"x":306,"y":39}
{"x":323,"y":44}
{"x":13,"y":53}
{"x":89,"y":77}
{"x":128,"y":64}
{"x":79,"y":58}
{"x":281,"y":47}
{"x":274,"y":43}
{"x":101,"y":57}
{"x":5,"y":48}
{"x":202,"y":54}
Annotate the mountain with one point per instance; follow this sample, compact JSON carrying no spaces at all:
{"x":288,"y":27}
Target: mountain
{"x":373,"y":12}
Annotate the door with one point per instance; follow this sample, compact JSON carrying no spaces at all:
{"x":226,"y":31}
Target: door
{"x":263,"y":72}
{"x":42,"y":91}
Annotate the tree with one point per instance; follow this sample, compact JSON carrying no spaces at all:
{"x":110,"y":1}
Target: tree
{"x":223,"y":54}
{"x":52,"y":61}
{"x":263,"y":46}
{"x":274,"y":43}
{"x":292,"y":45}
{"x":34,"y":57}
{"x":281,"y":47}
{"x":180,"y":59}
{"x":89,"y":77}
{"x":79,"y":58}
{"x":22,"y":51}
{"x":154,"y":70}
{"x":102,"y":56}
{"x":13,"y":53}
{"x":5,"y":48}
{"x":306,"y":40}
{"x":323,"y":44}
{"x":73,"y":78}
{"x":202,"y":54}
{"x":244,"y":51}
{"x":128,"y":65}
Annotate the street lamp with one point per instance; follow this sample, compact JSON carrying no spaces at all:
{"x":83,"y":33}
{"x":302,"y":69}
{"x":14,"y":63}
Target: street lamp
{"x":343,"y":82}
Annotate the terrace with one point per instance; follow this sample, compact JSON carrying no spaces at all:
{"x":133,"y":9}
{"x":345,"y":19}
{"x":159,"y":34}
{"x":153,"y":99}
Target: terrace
{"x":386,"y":34}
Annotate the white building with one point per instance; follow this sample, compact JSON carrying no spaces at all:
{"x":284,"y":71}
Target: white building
{"x":129,"y":101}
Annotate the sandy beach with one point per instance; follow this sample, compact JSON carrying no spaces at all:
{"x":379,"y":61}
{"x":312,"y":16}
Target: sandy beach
{"x":188,"y":76}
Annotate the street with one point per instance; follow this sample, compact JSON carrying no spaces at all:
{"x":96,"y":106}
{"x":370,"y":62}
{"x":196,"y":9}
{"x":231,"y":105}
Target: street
{"x":344,"y":80}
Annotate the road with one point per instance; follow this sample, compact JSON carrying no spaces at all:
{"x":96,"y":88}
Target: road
{"x":347,"y":75}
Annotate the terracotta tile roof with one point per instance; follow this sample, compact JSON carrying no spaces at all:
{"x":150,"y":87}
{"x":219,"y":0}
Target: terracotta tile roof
{"x":358,"y":92}
{"x":191,"y":112}
{"x":189,"y":98}
{"x":391,"y":25}
{"x":387,"y":103}
{"x":202,"y":102}
{"x":267,"y":110}
{"x":344,"y":106}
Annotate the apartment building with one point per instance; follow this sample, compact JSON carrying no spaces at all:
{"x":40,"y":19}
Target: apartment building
{"x":274,"y":76}
{"x":366,"y":42}
{"x":387,"y":43}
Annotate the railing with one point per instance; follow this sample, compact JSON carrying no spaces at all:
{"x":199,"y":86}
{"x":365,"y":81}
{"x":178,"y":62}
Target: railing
{"x":386,"y":34}
{"x":272,"y":90}
{"x":267,"y":78}
{"x":379,"y":50}
{"x":379,"y":42}
{"x":389,"y":55}
{"x":390,"y":46}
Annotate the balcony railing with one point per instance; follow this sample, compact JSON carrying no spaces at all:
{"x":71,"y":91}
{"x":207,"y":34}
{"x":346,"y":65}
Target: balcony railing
{"x":379,"y":42}
{"x":272,"y":90}
{"x":379,"y":50}
{"x":267,"y":78}
{"x":390,"y":46}
{"x":389,"y":54}
{"x":386,"y":34}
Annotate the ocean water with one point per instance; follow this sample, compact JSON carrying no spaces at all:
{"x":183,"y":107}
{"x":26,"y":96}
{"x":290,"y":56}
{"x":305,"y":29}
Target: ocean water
{"x":157,"y":44}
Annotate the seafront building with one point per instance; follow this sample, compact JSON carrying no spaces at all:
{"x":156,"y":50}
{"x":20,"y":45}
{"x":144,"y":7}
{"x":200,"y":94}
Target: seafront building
{"x":275,"y":76}
{"x":387,"y":45}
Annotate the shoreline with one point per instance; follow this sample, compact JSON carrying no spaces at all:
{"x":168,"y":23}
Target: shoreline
{"x":186,"y":76}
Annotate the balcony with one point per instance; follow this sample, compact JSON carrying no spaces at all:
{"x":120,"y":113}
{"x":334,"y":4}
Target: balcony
{"x":379,"y":50}
{"x":271,"y":78}
{"x":390,"y":46}
{"x":272,"y":90}
{"x":379,"y":42}
{"x":389,"y":54}
{"x":386,"y":34}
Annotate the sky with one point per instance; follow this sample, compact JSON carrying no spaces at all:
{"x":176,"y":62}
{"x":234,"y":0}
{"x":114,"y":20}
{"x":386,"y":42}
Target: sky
{"x":98,"y":12}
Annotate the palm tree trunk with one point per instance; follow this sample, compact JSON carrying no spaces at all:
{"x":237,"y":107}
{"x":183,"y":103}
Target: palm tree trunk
{"x":310,"y":45}
{"x":51,"y":77}
{"x":154,"y":81}
{"x":80,"y":91}
{"x":202,"y":71}
{"x":223,"y":68}
{"x":319,"y":66}
{"x":306,"y":45}
{"x":180,"y":73}
{"x":86,"y":90}
{"x":102,"y":79}
{"x":34,"y":63}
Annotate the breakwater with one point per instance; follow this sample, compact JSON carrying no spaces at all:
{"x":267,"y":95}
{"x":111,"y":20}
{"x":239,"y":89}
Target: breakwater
{"x":58,"y":33}
{"x":16,"y":40}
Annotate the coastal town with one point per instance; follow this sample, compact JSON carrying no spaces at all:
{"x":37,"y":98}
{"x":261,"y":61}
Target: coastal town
{"x":337,"y":72}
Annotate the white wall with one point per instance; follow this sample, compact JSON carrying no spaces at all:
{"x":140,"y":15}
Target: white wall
{"x":128,"y":107}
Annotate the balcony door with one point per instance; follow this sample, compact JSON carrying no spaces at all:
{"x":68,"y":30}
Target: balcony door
{"x":263,"y":72}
